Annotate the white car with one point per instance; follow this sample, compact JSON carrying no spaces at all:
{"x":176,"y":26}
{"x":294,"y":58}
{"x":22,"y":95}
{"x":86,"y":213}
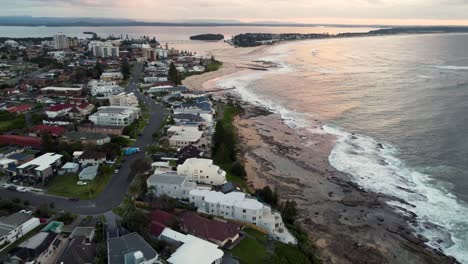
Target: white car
{"x":116,"y":171}
{"x":21,"y":189}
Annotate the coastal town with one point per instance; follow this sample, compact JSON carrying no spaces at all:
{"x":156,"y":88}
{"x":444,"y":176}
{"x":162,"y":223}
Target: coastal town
{"x":107,"y":158}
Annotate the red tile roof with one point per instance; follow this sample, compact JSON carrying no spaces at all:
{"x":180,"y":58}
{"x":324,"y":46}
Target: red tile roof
{"x":53,"y":130}
{"x":59,"y":107}
{"x":24,"y":141}
{"x":208,"y":229}
{"x":20,"y":108}
{"x":159,"y":221}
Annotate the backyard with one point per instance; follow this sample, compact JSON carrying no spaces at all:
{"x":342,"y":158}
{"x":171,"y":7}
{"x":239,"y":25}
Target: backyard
{"x":65,"y":185}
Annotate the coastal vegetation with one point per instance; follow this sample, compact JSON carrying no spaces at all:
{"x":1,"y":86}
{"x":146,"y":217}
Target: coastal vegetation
{"x":258,"y":39}
{"x":208,"y":37}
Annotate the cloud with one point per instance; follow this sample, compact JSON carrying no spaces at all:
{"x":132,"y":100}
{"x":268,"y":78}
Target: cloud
{"x":244,"y":9}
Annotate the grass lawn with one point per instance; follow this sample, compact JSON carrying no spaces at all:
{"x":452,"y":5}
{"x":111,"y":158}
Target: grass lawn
{"x":256,"y":234}
{"x":65,"y":185}
{"x":250,"y":251}
{"x":286,"y":254}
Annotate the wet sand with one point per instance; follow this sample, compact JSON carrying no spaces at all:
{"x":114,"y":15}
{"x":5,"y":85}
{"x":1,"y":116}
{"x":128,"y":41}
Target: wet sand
{"x":345,"y":223}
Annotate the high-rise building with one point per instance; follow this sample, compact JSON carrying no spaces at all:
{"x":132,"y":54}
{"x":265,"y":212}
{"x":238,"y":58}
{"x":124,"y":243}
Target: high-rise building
{"x":104,"y":49}
{"x":61,"y":41}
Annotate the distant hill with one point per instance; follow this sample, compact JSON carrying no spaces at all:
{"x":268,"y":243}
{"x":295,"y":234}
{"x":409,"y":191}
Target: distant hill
{"x":208,"y":37}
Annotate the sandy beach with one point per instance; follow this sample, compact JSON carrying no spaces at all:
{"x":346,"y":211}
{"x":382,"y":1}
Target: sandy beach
{"x":345,"y":223}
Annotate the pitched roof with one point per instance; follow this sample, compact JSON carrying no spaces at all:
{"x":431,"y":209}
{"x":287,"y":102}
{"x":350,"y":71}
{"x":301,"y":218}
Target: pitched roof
{"x":19,"y":108}
{"x":92,"y":155}
{"x":59,"y":107}
{"x":24,"y":141}
{"x":159,"y":221}
{"x":119,"y":247}
{"x":53,"y":130}
{"x":73,"y":135}
{"x":208,"y":229}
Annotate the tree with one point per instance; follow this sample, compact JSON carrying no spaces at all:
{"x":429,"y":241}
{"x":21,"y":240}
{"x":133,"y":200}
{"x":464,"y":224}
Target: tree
{"x":289,"y":212}
{"x":98,"y":70}
{"x":140,"y":165}
{"x":173,"y":74}
{"x":268,"y":196}
{"x":238,"y":169}
{"x":125,"y":69}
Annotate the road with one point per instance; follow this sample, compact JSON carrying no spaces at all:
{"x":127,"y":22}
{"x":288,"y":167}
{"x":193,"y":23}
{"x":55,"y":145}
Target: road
{"x":118,"y":185}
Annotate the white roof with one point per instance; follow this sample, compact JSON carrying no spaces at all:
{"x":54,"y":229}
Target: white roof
{"x":237,"y":199}
{"x":194,"y":250}
{"x":70,"y":165}
{"x":34,"y":241}
{"x":43,"y":162}
{"x":174,"y":235}
{"x":62,"y":88}
{"x":198,"y":162}
{"x":77,"y":153}
{"x":6,"y":161}
{"x":185,"y":133}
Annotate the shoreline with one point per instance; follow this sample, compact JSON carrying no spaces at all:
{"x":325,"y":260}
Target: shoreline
{"x":345,"y":223}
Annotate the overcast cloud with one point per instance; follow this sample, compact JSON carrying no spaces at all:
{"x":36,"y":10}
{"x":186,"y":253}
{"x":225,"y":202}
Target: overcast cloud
{"x":308,"y":11}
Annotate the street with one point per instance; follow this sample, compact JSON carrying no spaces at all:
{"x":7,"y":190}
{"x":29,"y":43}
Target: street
{"x":117,"y":187}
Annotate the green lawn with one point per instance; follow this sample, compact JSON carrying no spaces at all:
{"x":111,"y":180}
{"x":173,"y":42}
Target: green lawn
{"x":286,"y":254}
{"x":65,"y":185}
{"x":256,"y":234}
{"x":250,"y":251}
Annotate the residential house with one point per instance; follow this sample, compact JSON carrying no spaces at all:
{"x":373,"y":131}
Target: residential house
{"x":60,"y":110}
{"x":89,"y":173}
{"x":85,"y":138}
{"x":159,"y":221}
{"x":202,"y":171}
{"x":237,"y":206}
{"x":55,"y":131}
{"x":216,"y":231}
{"x":183,"y":136}
{"x":24,"y":141}
{"x":193,"y":250}
{"x":69,"y":168}
{"x":42,"y":167}
{"x":92,"y":158}
{"x":104,"y":88}
{"x":115,"y":116}
{"x":124,"y":99}
{"x":20,"y":109}
{"x":80,"y":248}
{"x":111,"y":76}
{"x":188,"y":152}
{"x":43,"y":247}
{"x":130,"y":248}
{"x":108,"y":130}
{"x":16,"y":225}
{"x":170,"y":184}
{"x":63,"y":91}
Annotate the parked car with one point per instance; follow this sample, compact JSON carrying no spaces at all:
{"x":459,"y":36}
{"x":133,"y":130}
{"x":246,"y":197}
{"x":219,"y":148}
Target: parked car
{"x":22,"y":189}
{"x":116,"y":171}
{"x":74,"y":199}
{"x":11,"y":188}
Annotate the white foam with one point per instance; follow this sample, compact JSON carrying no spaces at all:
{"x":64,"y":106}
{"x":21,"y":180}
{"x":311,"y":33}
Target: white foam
{"x":450,"y":67}
{"x":379,"y":170}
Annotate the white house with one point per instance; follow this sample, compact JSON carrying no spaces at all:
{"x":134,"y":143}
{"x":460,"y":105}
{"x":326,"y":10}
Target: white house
{"x":69,"y":167}
{"x":111,"y":76}
{"x":182,"y":136}
{"x":92,"y":158}
{"x":235,"y":205}
{"x":89,"y":173}
{"x":114,"y":116}
{"x":193,"y":250}
{"x":202,"y":171}
{"x":170,"y":184}
{"x":41,"y":167}
{"x":124,"y":99}
{"x":16,"y":225}
{"x":104,"y":88}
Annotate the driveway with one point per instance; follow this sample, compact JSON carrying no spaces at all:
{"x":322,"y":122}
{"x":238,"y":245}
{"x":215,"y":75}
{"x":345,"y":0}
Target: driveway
{"x":117,"y":187}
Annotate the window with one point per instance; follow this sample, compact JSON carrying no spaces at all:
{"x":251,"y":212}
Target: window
{"x":244,"y":211}
{"x":254,"y":218}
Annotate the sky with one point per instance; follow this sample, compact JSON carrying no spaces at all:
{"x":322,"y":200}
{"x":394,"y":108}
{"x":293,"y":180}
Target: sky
{"x":396,"y":12}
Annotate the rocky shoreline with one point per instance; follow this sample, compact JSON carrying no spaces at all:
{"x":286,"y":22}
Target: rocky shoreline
{"x":345,"y":223}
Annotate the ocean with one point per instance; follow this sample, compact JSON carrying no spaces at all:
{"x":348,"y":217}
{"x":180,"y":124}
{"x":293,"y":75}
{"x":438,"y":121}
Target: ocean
{"x":399,"y":108}
{"x":397,"y":104}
